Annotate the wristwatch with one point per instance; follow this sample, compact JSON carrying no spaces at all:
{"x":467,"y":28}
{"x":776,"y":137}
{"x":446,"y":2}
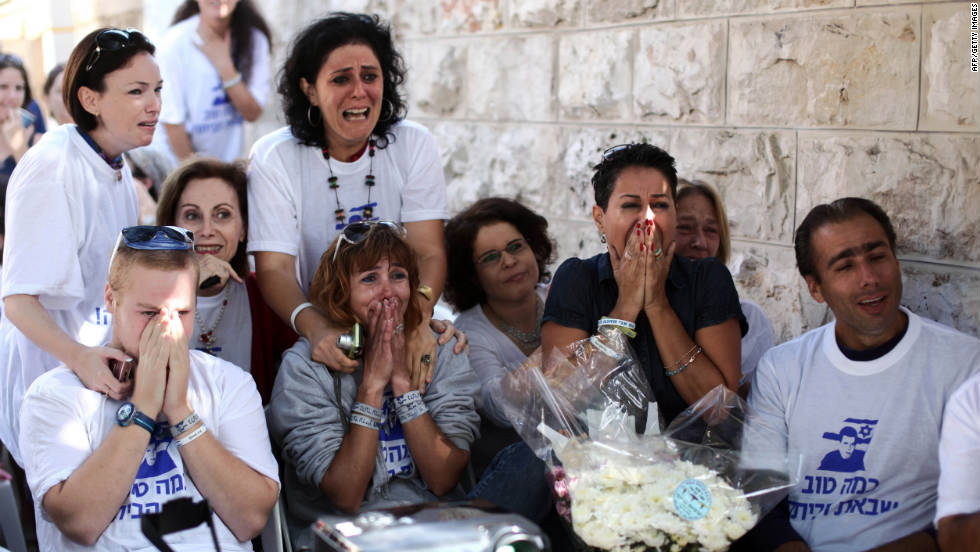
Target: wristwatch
{"x":127,"y":414}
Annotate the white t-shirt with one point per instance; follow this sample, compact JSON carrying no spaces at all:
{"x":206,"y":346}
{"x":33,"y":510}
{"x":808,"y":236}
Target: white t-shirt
{"x":292,"y":206}
{"x":868,"y":431}
{"x":234,"y":332}
{"x":959,"y":453}
{"x":193,"y":96}
{"x":65,"y":208}
{"x":760,"y":338}
{"x":67,"y":423}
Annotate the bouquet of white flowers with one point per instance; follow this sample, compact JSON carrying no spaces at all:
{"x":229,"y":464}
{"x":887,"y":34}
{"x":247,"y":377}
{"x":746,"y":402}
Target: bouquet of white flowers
{"x":622,"y":484}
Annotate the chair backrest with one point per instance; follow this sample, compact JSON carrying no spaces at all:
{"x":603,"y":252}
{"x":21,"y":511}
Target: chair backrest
{"x":275,"y":536}
{"x":10,"y":528}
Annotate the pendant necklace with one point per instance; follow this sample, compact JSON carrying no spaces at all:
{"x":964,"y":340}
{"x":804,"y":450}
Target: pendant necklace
{"x":334,"y":185}
{"x":530,"y":340}
{"x":207,"y":337}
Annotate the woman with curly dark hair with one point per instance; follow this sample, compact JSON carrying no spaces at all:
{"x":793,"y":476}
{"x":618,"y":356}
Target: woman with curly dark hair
{"x":215,"y":61}
{"x":346,"y":155}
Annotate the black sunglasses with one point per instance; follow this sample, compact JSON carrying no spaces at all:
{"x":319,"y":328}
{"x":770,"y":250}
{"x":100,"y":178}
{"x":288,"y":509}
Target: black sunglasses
{"x":615,"y":149}
{"x":158,"y":238}
{"x":113,"y":40}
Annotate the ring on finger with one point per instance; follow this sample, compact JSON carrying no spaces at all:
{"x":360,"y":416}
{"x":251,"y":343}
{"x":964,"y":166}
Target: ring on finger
{"x":399,"y":328}
{"x":659,"y":253}
{"x":426,"y":359}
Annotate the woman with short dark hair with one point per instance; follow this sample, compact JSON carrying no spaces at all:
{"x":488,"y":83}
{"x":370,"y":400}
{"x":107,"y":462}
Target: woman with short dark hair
{"x":18,"y":130}
{"x":347,"y":155}
{"x":68,"y":197}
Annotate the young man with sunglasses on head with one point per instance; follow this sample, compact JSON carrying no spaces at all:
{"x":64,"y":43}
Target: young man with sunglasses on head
{"x":193,"y":425}
{"x":861,"y":398}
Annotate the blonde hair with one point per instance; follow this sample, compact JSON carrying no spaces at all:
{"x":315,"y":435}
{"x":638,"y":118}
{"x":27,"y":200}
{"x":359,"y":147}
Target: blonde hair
{"x":687,"y":188}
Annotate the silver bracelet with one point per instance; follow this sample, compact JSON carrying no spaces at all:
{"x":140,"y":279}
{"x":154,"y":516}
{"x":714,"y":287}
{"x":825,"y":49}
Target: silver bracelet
{"x":232,"y":81}
{"x":366,"y":410}
{"x":194,"y":435}
{"x":364,"y":421}
{"x":299,"y":308}
{"x":185,"y":424}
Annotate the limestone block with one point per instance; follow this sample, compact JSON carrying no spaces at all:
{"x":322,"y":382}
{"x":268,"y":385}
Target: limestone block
{"x":511,"y":78}
{"x":929,"y":184}
{"x":436,"y":75}
{"x":544,"y":13}
{"x":481,"y":160}
{"x":594,"y":74}
{"x":680,"y":73}
{"x":860,"y":3}
{"x":731,"y":7}
{"x":629,"y":10}
{"x":857,"y":68}
{"x":753,"y":170}
{"x":949,"y":295}
{"x":950,"y":92}
{"x":468,"y":16}
{"x":581,"y":150}
{"x":767,"y":275}
{"x":573,"y":238}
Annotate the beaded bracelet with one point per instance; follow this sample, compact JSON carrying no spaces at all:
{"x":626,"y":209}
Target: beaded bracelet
{"x":364,"y":421}
{"x":697,"y":351}
{"x":185,"y":424}
{"x":194,"y":435}
{"x":625,"y":326}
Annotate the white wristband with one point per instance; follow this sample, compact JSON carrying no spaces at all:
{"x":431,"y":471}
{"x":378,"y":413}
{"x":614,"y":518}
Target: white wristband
{"x":194,"y":435}
{"x":299,"y":308}
{"x":232,"y":81}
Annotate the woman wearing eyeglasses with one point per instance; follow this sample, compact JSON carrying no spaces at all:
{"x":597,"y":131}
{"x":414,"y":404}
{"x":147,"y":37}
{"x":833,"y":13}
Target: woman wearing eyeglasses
{"x":207,"y":197}
{"x":68,"y":197}
{"x":215,"y":61}
{"x":346,"y":155}
{"x":682,"y":317}
{"x":369,"y":439}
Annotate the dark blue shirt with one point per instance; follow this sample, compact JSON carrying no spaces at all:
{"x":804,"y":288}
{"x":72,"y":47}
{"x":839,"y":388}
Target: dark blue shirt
{"x":701,"y":292}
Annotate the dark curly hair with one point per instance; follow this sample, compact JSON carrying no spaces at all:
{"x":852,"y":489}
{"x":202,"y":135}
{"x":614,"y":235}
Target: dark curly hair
{"x":244,"y":18}
{"x":108,"y":61}
{"x":463,"y":288}
{"x":617,"y":158}
{"x":841,"y":210}
{"x":310,"y":50}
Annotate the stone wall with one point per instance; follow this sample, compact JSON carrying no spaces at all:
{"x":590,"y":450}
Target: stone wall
{"x":781,"y":104}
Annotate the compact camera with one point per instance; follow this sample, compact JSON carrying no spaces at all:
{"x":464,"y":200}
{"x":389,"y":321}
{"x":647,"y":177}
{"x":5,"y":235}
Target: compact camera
{"x":352,"y":342}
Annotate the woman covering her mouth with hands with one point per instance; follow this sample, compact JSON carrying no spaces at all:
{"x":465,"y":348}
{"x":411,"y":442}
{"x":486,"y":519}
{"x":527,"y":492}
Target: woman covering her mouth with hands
{"x":369,"y":439}
{"x":682,"y":317}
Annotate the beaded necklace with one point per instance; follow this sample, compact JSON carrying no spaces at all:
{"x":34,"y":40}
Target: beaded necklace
{"x":334,"y":185}
{"x":207,"y":337}
{"x":525,"y":340}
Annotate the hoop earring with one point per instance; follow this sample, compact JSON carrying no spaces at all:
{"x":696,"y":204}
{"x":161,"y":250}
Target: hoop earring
{"x":309,"y":115}
{"x":391,"y":110}
{"x":602,"y":237}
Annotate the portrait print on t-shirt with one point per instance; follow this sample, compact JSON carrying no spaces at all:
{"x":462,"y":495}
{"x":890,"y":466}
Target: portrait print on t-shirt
{"x":846,"y":456}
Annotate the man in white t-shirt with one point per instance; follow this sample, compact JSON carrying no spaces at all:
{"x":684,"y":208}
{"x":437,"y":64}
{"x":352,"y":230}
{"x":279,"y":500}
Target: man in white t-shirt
{"x":860,"y":398}
{"x":958,"y":507}
{"x":193,"y":425}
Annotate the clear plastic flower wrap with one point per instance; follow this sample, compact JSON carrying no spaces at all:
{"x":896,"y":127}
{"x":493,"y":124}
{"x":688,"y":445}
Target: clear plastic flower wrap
{"x":588,"y":411}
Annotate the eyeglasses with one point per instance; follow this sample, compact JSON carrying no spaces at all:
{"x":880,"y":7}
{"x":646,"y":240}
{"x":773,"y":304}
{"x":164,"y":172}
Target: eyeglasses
{"x":158,"y":238}
{"x":356,"y":232}
{"x":113,"y":40}
{"x":493,"y":256}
